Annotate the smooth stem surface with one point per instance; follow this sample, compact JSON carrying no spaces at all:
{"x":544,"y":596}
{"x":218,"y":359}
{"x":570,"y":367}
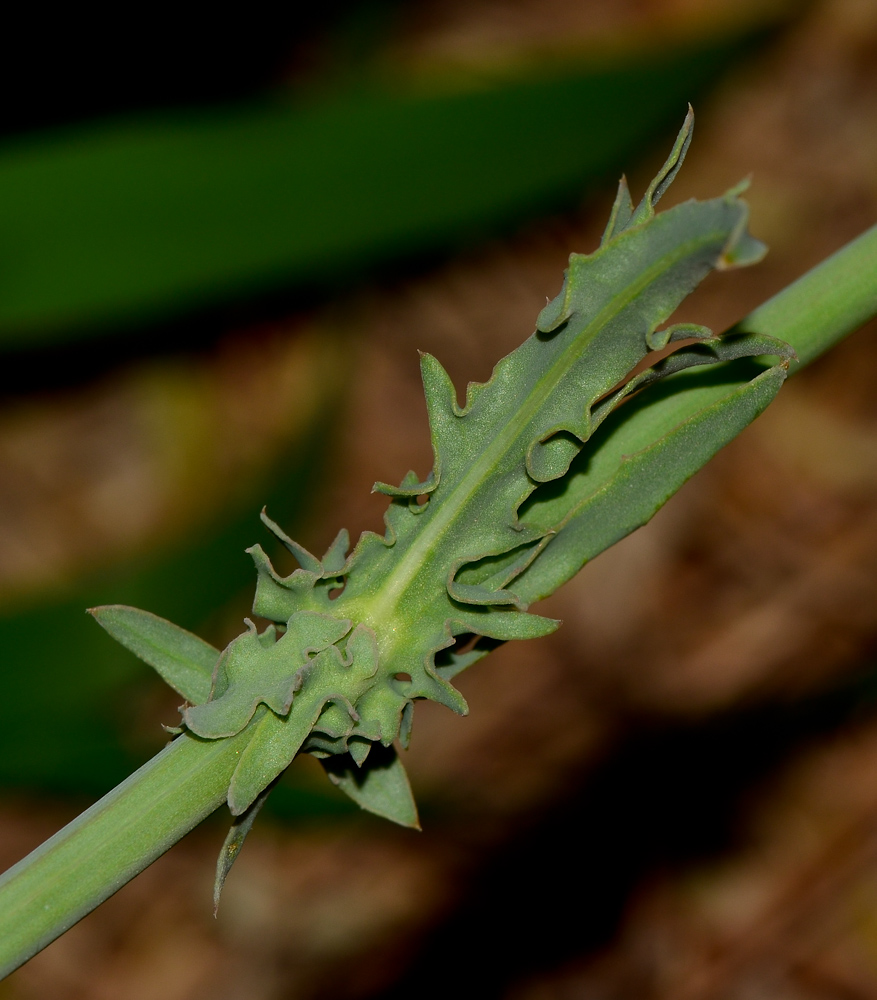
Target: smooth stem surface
{"x":105,"y":847}
{"x":123,"y":833}
{"x":824,"y":305}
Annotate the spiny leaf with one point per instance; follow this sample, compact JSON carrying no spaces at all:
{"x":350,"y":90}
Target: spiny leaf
{"x":629,"y":476}
{"x":448,"y":567}
{"x":259,"y":668}
{"x":327,"y":688}
{"x":520,"y":495}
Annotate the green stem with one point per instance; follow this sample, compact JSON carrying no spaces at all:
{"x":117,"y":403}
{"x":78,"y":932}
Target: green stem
{"x":123,"y":833}
{"x":105,"y":847}
{"x":823,"y":305}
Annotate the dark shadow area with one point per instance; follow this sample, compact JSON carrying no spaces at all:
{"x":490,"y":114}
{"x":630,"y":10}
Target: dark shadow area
{"x":91,"y":354}
{"x":73,"y":63}
{"x":670,"y":794}
{"x":53,"y":366}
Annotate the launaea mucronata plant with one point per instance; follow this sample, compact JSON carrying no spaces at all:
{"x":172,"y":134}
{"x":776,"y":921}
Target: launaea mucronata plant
{"x":356,"y":638}
{"x":579,"y":436}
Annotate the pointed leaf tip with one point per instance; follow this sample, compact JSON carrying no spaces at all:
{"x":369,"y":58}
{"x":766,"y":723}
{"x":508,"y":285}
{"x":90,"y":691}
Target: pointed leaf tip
{"x":233,"y":843}
{"x":667,"y":174}
{"x":380,"y":786}
{"x":622,"y":210}
{"x":305,"y":559}
{"x":183,"y":660}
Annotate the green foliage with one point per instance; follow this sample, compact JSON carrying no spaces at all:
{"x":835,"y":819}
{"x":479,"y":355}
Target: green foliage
{"x":505,"y":516}
{"x":644,"y":450}
{"x":157,"y":215}
{"x":112,"y":224}
{"x":182,"y":659}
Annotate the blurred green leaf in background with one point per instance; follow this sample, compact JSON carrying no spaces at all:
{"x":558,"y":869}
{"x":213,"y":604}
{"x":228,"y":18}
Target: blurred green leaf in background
{"x":140,"y":219}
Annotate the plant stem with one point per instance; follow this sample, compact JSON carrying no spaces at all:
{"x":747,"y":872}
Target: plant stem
{"x":107,"y":845}
{"x":823,"y":305}
{"x":86,"y":862}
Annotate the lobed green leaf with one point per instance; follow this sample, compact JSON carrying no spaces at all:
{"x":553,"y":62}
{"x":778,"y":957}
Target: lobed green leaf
{"x":523,"y":491}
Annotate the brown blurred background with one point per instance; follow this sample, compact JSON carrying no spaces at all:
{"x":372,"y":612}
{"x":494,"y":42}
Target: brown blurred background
{"x":704,"y":822}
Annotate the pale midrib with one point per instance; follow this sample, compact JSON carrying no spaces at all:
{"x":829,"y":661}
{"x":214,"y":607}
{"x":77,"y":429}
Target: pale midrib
{"x":451,"y":507}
